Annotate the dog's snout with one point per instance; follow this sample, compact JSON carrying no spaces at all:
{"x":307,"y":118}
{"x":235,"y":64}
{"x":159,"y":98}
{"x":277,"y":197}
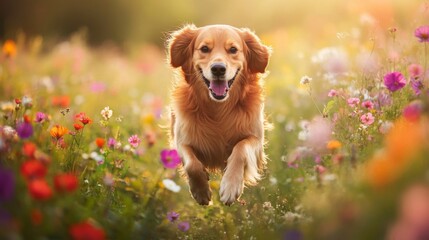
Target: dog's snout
{"x":218,"y":69}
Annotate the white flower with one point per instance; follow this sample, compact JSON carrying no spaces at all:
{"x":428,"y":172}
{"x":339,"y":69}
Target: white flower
{"x":106,"y":113}
{"x":9,"y":132}
{"x":171,"y":185}
{"x":306,"y":80}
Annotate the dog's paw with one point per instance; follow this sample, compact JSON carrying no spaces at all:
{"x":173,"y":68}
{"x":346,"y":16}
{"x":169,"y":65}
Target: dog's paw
{"x":230,"y":190}
{"x":201,"y":195}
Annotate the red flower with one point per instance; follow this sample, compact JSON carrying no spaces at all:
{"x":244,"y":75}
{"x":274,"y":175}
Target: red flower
{"x":18,"y":101}
{"x":61,"y":101}
{"x":100,"y":142}
{"x":65,"y":182}
{"x":40,"y":190}
{"x":32,"y":169}
{"x":77,"y":126}
{"x":85,"y":230}
{"x":83,"y":118}
{"x":29,"y":149}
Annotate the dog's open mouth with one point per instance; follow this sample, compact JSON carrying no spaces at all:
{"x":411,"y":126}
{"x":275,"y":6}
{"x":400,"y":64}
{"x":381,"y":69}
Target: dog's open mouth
{"x":219,"y":88}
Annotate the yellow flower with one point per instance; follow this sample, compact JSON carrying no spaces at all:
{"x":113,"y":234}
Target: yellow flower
{"x":58,"y":131}
{"x":9,"y":48}
{"x":333,"y":144}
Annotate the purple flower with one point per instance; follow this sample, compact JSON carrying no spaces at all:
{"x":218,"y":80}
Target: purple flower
{"x":170,"y":158}
{"x":40,"y":117}
{"x":417,"y":86}
{"x":422,"y":33}
{"x":7,"y":186}
{"x":111,"y":143}
{"x":134,"y":140}
{"x":24,"y":130}
{"x":172,"y":216}
{"x":183,"y":226}
{"x":394,"y":81}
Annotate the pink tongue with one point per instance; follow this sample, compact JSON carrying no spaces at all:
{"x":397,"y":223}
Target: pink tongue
{"x":219,"y":87}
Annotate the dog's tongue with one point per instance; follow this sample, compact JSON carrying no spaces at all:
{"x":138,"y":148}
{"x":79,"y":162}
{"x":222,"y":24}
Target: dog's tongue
{"x":219,"y":87}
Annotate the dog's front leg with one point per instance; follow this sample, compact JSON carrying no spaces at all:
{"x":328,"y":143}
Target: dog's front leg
{"x":197,"y":176}
{"x":241,"y":165}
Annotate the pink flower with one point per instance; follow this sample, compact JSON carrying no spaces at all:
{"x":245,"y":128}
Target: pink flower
{"x":367,"y":119}
{"x":413,"y":111}
{"x":170,"y":158}
{"x":172,"y":216}
{"x":394,"y":81}
{"x":368,"y":104}
{"x":415,"y":70}
{"x":134,"y":140}
{"x":40,"y":117}
{"x":332,"y":93}
{"x":422,"y":33}
{"x":320,"y":169}
{"x":183,"y":226}
{"x":353,"y":102}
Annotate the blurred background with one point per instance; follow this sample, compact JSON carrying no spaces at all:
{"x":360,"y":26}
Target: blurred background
{"x":149,"y":20}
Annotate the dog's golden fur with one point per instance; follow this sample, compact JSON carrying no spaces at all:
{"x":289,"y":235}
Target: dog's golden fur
{"x":212,"y":134}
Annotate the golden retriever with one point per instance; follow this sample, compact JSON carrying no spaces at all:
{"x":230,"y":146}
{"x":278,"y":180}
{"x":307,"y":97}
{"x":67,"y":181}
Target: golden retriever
{"x":217,"y":107}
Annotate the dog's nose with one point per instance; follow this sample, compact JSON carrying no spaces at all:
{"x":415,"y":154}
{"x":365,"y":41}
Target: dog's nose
{"x":218,"y":69}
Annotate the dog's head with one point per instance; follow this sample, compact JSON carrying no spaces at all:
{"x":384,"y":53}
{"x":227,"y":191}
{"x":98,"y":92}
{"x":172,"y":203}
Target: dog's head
{"x":218,"y":55}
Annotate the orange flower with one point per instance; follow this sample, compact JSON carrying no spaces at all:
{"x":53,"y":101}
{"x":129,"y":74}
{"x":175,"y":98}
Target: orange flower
{"x":61,"y":101}
{"x":85,"y":230}
{"x":66,"y":182}
{"x":77,"y":126}
{"x":333,"y":144}
{"x":29,"y":149}
{"x":100,"y":142}
{"x":83,"y":118}
{"x":9,"y":48}
{"x":40,"y":190}
{"x":58,"y":131}
{"x":32,"y":169}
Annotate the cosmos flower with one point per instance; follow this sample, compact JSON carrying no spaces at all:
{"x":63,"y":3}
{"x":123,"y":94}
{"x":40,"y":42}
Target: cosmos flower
{"x":9,"y":48}
{"x":86,"y":230}
{"x":415,"y":71}
{"x":111,"y":143}
{"x":24,"y":130}
{"x":39,"y":189}
{"x":367,"y":119}
{"x":352,"y":102}
{"x":183,"y":226}
{"x":58,"y":131}
{"x":417,"y":86}
{"x":172,"y":216}
{"x":368,"y":104}
{"x":40,"y":117}
{"x":32,"y":169}
{"x":413,"y":111}
{"x":332,"y":93}
{"x":394,"y":81}
{"x":77,"y":126}
{"x":83,"y":118}
{"x":170,"y":158}
{"x":333,"y":144}
{"x":65,"y":182}
{"x":171,"y":185}
{"x":134,"y":140}
{"x":422,"y":33}
{"x":106,"y":113}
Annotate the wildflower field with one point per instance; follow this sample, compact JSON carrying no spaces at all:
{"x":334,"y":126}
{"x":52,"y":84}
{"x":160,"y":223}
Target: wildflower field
{"x":85,"y":153}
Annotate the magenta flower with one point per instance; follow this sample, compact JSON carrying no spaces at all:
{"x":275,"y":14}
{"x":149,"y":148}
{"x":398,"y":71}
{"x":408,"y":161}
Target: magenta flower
{"x":134,"y":140}
{"x":394,"y":81}
{"x":415,"y":71}
{"x":353,"y":102}
{"x":24,"y":130}
{"x":40,"y":117}
{"x":111,"y":143}
{"x":413,"y":111}
{"x":170,"y":158}
{"x":183,"y":226}
{"x":172,"y":216}
{"x":332,"y":93}
{"x":367,"y":119}
{"x":368,"y":104}
{"x":422,"y":33}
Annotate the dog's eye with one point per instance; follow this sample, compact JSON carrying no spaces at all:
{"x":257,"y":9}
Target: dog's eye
{"x":205,"y":49}
{"x":233,"y":50}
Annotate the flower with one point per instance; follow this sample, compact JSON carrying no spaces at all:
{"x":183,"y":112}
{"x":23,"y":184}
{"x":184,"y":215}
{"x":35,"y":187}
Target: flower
{"x":183,"y":226}
{"x":332,"y":93}
{"x":111,"y":143}
{"x":106,"y":113}
{"x":77,"y":126}
{"x":415,"y":71}
{"x":27,"y":101}
{"x":171,"y":185}
{"x":368,"y":104}
{"x":333,"y":144}
{"x":83,"y":118}
{"x":172,"y":216}
{"x":422,"y":33}
{"x":320,"y":169}
{"x":65,"y":182}
{"x":305,"y":80}
{"x":352,"y":102}
{"x":394,"y":81}
{"x":417,"y":86}
{"x":9,"y":48}
{"x":413,"y":111}
{"x":32,"y":169}
{"x":40,"y":117}
{"x":100,"y":142}
{"x":134,"y":140}
{"x":170,"y":158}
{"x":39,"y":189}
{"x":24,"y":130}
{"x":367,"y":119}
{"x":85,"y":230}
{"x":61,"y":101}
{"x":7,"y":186}
{"x":29,"y":149}
{"x":58,"y":131}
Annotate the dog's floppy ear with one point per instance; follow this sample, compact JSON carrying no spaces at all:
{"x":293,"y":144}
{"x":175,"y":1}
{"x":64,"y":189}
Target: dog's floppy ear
{"x":180,"y":45}
{"x":256,"y":53}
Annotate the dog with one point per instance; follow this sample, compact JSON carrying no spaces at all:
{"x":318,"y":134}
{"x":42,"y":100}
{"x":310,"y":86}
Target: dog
{"x":217,"y":107}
